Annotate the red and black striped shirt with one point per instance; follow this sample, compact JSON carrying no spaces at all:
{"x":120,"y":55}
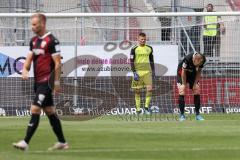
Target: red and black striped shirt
{"x":43,"y":48}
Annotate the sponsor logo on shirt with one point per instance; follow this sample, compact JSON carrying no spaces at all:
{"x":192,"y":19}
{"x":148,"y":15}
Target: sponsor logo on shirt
{"x":38,"y":51}
{"x":43,"y":44}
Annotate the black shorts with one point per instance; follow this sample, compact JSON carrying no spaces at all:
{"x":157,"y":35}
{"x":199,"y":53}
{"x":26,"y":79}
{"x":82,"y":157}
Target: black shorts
{"x":43,"y":95}
{"x":190,"y":80}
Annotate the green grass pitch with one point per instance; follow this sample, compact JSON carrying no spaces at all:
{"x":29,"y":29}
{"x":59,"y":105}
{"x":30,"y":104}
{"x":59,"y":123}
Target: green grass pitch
{"x":109,"y":138}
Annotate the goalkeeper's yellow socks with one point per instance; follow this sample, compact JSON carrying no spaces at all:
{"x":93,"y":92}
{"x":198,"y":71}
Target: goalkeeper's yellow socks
{"x":137,"y":102}
{"x":148,"y":99}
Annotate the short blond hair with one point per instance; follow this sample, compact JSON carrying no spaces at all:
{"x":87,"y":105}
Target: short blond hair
{"x":42,"y":18}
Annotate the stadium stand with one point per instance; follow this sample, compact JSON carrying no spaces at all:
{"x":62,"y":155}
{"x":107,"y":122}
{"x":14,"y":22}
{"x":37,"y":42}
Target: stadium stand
{"x":235,"y":4}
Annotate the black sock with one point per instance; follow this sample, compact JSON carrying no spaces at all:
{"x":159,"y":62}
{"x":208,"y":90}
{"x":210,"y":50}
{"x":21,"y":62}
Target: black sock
{"x":197,"y":104}
{"x":57,"y":127}
{"x":32,"y":126}
{"x":146,"y":108}
{"x":181,"y":103}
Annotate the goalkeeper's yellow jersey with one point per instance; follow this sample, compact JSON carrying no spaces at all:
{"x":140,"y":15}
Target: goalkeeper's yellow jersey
{"x":142,"y":57}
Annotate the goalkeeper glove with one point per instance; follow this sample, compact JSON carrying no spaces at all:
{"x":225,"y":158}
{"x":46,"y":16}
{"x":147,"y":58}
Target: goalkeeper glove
{"x":135,"y":76}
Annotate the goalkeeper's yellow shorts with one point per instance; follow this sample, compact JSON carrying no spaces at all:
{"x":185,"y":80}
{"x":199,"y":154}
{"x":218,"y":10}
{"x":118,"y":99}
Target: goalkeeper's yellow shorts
{"x":143,"y":81}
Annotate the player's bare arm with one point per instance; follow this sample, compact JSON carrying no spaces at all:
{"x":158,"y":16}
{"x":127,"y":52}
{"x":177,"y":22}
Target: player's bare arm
{"x":184,"y":76}
{"x":27,"y":66}
{"x":57,"y":72}
{"x":198,"y":76}
{"x":184,"y":82}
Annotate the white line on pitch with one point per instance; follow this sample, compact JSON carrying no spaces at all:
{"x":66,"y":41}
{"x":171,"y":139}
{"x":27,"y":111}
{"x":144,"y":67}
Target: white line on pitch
{"x":138,"y":150}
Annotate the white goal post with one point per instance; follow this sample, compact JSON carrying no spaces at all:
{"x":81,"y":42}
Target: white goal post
{"x":151,"y":14}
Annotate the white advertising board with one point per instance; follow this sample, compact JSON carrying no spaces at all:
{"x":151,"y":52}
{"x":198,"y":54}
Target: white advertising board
{"x":92,"y":59}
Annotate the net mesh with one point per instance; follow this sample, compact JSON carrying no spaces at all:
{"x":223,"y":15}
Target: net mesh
{"x":112,"y":94}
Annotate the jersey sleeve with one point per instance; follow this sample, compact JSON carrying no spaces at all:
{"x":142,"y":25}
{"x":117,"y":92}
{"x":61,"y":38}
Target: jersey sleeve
{"x":151,"y":59}
{"x":185,"y":64}
{"x":54,"y":47}
{"x":132,"y":58}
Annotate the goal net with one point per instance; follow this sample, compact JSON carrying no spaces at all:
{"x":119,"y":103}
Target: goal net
{"x":96,"y":73}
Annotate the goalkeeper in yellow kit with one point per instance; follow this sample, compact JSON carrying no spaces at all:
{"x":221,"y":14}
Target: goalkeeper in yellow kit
{"x":142,"y":65}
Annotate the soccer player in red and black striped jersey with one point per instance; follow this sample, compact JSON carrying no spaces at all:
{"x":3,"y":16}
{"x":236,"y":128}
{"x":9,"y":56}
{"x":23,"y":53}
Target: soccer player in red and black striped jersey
{"x":189,"y":73}
{"x":45,"y":55}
